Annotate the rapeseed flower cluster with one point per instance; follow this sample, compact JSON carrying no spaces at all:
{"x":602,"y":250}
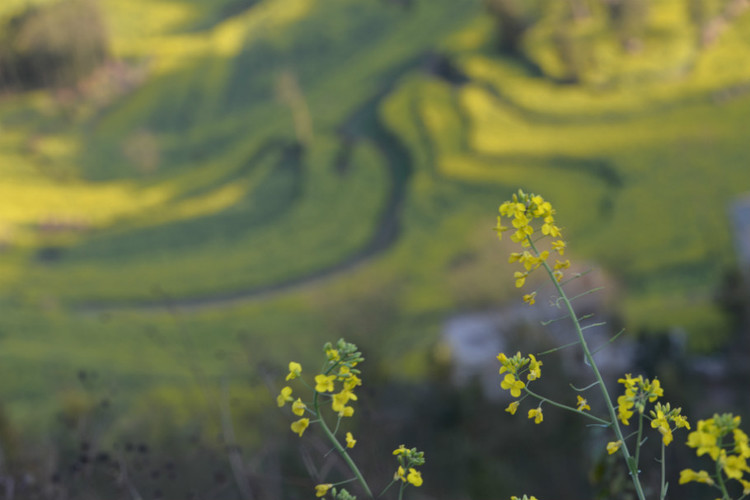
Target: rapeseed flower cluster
{"x":408,"y":459}
{"x":337,"y":381}
{"x":638,"y":391}
{"x":665,"y":419}
{"x":514,"y":368}
{"x":720,"y":438}
{"x":523,"y":498}
{"x":523,"y":209}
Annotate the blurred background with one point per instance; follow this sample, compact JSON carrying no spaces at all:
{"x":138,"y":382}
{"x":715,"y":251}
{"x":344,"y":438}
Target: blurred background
{"x":196,"y":192}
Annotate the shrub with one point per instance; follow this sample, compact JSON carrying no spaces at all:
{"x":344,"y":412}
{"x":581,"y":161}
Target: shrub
{"x":52,"y":45}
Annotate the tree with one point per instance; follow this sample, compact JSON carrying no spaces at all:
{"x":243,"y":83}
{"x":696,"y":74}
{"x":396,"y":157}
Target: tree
{"x":52,"y":45}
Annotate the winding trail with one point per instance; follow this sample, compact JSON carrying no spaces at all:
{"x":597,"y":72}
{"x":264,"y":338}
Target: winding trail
{"x":363,"y":124}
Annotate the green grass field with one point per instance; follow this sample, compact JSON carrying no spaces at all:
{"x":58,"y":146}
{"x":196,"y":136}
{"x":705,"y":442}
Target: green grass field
{"x":189,"y":188}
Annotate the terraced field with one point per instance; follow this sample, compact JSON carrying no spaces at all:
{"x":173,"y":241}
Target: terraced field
{"x":260,"y":178}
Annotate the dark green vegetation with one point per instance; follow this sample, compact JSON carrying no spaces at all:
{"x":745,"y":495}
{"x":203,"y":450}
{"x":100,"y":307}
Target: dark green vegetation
{"x":51,"y":46}
{"x":251,"y":179}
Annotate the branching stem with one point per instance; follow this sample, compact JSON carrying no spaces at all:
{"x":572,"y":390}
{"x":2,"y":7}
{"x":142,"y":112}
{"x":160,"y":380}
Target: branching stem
{"x":569,"y":408}
{"x":342,"y":451}
{"x":605,"y":393}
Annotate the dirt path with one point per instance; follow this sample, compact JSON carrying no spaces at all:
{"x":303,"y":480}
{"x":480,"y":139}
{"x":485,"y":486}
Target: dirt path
{"x":362,"y":124}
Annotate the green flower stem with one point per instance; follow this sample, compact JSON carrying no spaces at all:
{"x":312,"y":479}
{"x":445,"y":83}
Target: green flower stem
{"x":663,"y":494}
{"x":638,"y":440}
{"x":605,"y":394}
{"x":339,"y":448}
{"x":338,"y":424}
{"x":566,"y":407}
{"x":401,"y":491}
{"x":345,"y":481}
{"x":386,"y":488}
{"x":724,"y":492}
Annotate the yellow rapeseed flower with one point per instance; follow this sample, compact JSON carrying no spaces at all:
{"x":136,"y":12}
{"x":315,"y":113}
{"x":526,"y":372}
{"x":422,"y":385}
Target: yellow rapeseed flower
{"x":346,"y":411}
{"x":350,"y":441}
{"x":661,"y":423}
{"x":300,"y":425}
{"x":351,"y":382}
{"x":535,"y":370}
{"x":521,"y":222}
{"x":527,"y":260}
{"x":512,"y":209}
{"x":340,"y":399}
{"x":530,"y":298}
{"x":399,"y":474}
{"x":513,"y":385}
{"x":681,"y":422}
{"x":705,"y":439}
{"x":401,"y":450}
{"x":624,"y":409}
{"x":521,"y":235}
{"x":284,"y":396}
{"x":733,"y":466}
{"x":653,"y":387}
{"x":520,"y":278}
{"x":551,"y":230}
{"x":513,"y":407}
{"x":414,"y":477}
{"x":629,"y":381}
{"x":500,"y":229}
{"x":322,"y":489}
{"x":295,"y":369}
{"x":741,"y":443}
{"x":613,"y":446}
{"x":582,"y":404}
{"x":536,"y":414}
{"x":298,"y":407}
{"x":745,"y":486}
{"x":562,"y":265}
{"x":324,"y":383}
{"x":701,"y":476}
{"x":504,"y":360}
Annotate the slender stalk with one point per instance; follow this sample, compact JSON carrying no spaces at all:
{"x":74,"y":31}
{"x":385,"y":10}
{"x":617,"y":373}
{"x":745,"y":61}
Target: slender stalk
{"x":724,"y":492}
{"x":566,"y":407}
{"x":340,"y":448}
{"x":638,"y":440}
{"x":663,"y":494}
{"x":387,"y":487}
{"x":605,"y":393}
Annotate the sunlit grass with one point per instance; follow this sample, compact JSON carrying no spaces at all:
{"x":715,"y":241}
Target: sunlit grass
{"x":608,"y":158}
{"x":161,"y":37}
{"x":706,"y":70}
{"x":250,"y":256}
